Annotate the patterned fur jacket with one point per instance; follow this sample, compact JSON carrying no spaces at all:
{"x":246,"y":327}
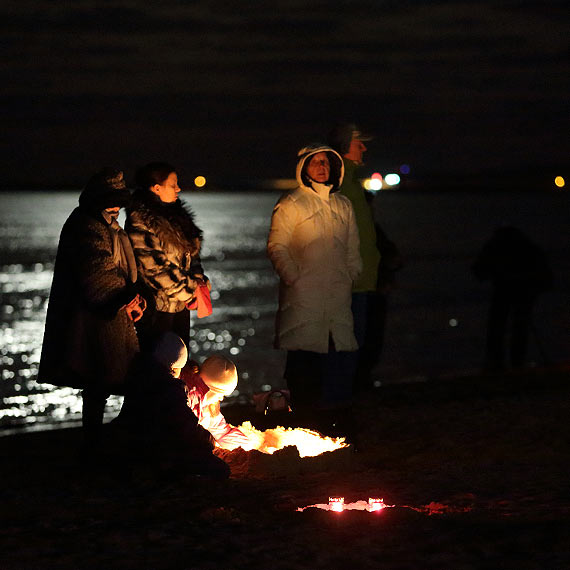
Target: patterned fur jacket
{"x":166,"y":243}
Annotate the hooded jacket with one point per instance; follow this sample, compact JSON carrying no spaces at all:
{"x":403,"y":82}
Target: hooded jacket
{"x":166,"y":243}
{"x":314,"y":247}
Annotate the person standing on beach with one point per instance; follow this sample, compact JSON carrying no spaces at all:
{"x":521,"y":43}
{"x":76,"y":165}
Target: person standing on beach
{"x":519,"y":272}
{"x":348,"y":140}
{"x":89,"y":339}
{"x":166,"y":242}
{"x":313,"y":246}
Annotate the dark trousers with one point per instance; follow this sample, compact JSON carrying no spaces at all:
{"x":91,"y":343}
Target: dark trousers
{"x":94,"y":401}
{"x":156,"y":323}
{"x":321,"y":387}
{"x":369,"y":313}
{"x":506,"y":309}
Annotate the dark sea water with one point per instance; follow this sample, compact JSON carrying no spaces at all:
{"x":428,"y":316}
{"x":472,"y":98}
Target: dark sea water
{"x":437,"y":311}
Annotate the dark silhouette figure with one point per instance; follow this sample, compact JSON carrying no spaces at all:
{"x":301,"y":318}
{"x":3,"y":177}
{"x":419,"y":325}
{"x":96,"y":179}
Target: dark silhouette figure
{"x":156,"y":426}
{"x":519,"y":272}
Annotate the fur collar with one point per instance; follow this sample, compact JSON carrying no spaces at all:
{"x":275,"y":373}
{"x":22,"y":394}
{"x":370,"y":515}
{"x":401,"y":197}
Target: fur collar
{"x":173,"y":221}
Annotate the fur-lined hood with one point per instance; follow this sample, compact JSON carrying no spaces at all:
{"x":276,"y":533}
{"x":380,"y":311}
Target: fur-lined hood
{"x":172,"y":222}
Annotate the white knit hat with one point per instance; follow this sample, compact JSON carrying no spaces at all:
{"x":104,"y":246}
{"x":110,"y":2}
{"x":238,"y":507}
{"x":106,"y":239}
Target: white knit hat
{"x":170,"y":351}
{"x":219,"y":374}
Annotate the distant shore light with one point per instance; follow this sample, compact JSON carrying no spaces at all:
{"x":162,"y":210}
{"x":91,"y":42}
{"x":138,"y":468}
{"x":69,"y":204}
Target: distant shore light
{"x":199,"y":181}
{"x":405,"y":168}
{"x":376,"y":184}
{"x":392,"y":179}
{"x":560,"y":182}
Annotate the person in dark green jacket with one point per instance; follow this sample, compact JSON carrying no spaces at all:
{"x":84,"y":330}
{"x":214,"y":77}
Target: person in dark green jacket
{"x":348,"y":141}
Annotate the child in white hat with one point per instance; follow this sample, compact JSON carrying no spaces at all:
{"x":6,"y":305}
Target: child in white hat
{"x":206,"y":387}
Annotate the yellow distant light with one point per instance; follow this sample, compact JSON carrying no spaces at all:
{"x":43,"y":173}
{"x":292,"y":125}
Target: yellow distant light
{"x":560,"y":182}
{"x":367,"y":183}
{"x":199,"y":181}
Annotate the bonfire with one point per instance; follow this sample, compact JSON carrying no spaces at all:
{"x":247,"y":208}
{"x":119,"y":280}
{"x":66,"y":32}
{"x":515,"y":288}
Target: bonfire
{"x":308,"y":443}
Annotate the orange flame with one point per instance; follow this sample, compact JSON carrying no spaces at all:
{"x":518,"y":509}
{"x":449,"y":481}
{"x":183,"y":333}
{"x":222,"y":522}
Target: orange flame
{"x":309,"y":443}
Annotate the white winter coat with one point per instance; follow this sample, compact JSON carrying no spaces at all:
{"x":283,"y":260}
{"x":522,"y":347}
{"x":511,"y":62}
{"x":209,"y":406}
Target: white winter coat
{"x":314,"y":247}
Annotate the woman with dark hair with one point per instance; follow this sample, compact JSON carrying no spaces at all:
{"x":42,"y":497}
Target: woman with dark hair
{"x":166,"y":242}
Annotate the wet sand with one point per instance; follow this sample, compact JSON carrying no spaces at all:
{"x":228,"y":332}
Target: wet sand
{"x":476,"y":468}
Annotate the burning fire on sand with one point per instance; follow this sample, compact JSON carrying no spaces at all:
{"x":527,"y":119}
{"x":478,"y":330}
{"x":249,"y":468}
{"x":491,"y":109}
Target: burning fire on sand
{"x":309,"y":443}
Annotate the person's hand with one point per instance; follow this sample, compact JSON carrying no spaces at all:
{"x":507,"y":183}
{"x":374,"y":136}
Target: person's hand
{"x":142,"y":302}
{"x":135,"y":308}
{"x":202,"y":280}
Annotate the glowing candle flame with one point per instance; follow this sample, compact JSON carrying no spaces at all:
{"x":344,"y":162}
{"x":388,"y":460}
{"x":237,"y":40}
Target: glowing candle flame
{"x":376,"y":504}
{"x":336,"y":504}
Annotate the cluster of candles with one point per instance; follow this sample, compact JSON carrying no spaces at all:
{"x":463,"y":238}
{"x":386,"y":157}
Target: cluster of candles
{"x":336,"y":504}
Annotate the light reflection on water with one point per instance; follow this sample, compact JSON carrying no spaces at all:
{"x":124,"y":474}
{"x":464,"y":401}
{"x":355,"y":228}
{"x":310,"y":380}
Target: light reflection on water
{"x":244,"y":293}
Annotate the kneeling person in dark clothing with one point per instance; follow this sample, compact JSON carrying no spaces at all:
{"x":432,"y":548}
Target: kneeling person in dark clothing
{"x":155,"y":413}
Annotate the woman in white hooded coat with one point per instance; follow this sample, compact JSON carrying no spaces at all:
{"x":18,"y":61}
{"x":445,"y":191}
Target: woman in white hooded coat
{"x":314,"y":247}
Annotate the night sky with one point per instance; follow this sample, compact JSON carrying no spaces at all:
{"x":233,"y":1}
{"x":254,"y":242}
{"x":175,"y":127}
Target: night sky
{"x":232,"y":89}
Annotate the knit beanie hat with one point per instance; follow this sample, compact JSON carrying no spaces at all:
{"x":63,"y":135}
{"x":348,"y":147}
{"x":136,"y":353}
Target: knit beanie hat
{"x":105,"y":189}
{"x":219,"y":374}
{"x":170,"y":351}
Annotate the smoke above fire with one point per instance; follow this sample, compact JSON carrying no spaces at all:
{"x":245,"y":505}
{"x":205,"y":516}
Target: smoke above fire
{"x":308,"y":443}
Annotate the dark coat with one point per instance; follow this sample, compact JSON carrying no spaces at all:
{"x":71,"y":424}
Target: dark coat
{"x":166,"y":242}
{"x":89,"y":340}
{"x":155,"y":411}
{"x":516,"y":266}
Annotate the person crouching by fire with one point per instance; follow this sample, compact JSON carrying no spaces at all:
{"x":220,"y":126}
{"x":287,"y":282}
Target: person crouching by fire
{"x":156,"y":425}
{"x":206,"y":387}
{"x":90,"y":340}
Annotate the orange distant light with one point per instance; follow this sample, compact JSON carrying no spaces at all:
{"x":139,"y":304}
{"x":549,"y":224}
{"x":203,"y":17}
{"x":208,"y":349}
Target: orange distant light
{"x":199,"y":181}
{"x":560,"y":182}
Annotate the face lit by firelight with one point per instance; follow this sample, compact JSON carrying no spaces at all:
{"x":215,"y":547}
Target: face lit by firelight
{"x":168,"y":190}
{"x":319,"y":167}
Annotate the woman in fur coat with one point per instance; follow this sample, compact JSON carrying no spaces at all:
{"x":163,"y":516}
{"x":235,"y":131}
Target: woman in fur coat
{"x":166,"y":242}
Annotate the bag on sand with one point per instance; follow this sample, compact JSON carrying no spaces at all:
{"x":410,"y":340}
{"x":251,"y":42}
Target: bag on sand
{"x":273,"y":401}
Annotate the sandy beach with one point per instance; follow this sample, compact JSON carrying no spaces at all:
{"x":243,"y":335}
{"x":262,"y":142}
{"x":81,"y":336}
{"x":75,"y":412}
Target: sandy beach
{"x":474,"y":469}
